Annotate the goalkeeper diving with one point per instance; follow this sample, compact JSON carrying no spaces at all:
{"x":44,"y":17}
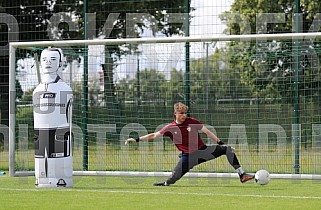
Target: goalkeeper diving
{"x":184,"y":132}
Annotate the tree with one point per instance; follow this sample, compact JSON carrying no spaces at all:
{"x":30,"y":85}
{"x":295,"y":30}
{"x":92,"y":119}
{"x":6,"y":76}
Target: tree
{"x":176,"y":85}
{"x":131,"y":19}
{"x":267,"y":67}
{"x":150,"y":85}
{"x":32,"y":19}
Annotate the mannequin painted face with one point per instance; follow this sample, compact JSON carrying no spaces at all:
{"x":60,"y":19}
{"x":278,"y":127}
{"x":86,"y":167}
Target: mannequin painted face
{"x":50,"y":61}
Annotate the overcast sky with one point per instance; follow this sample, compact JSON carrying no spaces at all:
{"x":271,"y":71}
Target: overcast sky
{"x":205,"y":19}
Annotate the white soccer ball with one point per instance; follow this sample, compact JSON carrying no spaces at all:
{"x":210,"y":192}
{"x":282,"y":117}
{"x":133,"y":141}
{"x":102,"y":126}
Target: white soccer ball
{"x":262,"y":177}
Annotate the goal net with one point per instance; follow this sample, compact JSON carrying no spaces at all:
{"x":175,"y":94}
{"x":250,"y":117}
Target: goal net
{"x":260,"y":94}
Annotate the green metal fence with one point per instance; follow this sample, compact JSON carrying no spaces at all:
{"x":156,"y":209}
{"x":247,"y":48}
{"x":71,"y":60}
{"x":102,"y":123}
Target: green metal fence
{"x":262,"y":97}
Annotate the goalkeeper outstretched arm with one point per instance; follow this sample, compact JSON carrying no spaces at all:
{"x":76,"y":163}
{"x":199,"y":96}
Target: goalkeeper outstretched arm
{"x":147,"y":137}
{"x":212,"y":135}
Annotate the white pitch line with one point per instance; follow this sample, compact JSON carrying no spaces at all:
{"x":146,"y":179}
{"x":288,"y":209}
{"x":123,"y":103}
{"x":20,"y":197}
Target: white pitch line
{"x":168,"y":193}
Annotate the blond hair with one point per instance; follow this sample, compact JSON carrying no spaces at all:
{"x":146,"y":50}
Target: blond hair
{"x":180,"y":107}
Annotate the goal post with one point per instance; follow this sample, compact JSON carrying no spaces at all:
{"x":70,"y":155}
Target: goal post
{"x":244,"y":88}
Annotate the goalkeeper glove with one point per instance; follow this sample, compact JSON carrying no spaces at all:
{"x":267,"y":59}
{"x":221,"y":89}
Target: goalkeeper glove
{"x":220,"y":143}
{"x":131,"y":140}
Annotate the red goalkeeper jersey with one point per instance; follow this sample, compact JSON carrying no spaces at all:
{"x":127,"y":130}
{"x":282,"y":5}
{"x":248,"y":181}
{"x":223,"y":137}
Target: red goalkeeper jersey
{"x":185,"y":136}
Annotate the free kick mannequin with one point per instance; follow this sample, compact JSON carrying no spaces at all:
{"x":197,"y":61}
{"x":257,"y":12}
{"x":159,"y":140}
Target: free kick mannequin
{"x":52,"y":124}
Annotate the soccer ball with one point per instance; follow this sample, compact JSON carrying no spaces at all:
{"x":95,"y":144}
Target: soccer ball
{"x":262,"y":177}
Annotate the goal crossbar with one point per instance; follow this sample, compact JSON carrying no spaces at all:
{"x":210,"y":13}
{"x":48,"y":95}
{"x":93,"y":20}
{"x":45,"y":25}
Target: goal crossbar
{"x":244,"y":37}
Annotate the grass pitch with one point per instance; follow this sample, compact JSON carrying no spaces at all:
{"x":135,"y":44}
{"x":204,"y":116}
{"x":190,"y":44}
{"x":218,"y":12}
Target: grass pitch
{"x":138,"y":193}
